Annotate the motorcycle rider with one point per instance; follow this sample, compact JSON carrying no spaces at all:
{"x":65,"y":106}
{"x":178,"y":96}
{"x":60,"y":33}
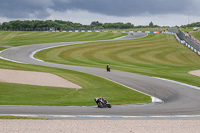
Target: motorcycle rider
{"x":108,"y":67}
{"x":99,"y":99}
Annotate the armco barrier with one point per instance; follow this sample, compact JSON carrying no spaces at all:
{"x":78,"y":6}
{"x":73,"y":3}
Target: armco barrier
{"x":183,"y":42}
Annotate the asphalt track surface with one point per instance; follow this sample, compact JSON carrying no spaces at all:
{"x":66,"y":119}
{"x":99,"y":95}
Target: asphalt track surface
{"x":177,"y":99}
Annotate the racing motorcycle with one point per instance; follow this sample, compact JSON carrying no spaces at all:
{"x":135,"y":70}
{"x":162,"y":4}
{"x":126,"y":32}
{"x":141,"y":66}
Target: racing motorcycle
{"x":102,"y":103}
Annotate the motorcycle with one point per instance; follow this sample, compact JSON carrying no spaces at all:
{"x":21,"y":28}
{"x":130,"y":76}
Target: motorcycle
{"x":102,"y":103}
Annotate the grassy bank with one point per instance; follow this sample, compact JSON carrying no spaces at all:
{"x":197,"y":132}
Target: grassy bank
{"x":187,"y":29}
{"x":18,"y":38}
{"x":196,"y":34}
{"x":158,"y":55}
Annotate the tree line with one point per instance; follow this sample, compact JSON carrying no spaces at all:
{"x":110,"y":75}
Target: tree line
{"x":196,"y":24}
{"x":39,"y":25}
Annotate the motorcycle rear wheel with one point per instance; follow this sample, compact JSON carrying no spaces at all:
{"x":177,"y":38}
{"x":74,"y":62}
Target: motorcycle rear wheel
{"x":109,"y":105}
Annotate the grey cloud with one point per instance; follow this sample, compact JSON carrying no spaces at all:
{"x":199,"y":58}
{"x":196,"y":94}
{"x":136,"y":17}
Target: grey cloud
{"x":38,"y":8}
{"x":132,"y":7}
{"x":24,"y":8}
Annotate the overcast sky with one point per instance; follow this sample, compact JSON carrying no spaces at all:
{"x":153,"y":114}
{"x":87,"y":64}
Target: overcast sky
{"x":137,"y":12}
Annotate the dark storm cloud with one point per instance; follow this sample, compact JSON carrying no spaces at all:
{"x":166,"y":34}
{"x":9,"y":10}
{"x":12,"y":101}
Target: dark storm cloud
{"x":24,"y":8}
{"x":38,"y":8}
{"x":132,"y":7}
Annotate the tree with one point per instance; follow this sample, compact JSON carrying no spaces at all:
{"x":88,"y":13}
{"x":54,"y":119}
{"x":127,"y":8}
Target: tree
{"x":6,"y":26}
{"x":96,"y":23}
{"x":127,"y":26}
{"x":151,"y":24}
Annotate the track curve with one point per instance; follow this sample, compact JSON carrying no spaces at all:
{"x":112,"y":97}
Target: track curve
{"x":178,"y":99}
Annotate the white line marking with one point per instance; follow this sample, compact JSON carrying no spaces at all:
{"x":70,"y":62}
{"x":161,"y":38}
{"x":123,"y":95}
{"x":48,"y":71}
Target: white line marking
{"x":154,"y":99}
{"x":191,"y":86}
{"x":99,"y":116}
{"x":34,"y":52}
{"x":10,"y":59}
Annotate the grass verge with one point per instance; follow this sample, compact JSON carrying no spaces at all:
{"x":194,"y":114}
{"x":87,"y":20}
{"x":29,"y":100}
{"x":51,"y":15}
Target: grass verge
{"x":19,"y":117}
{"x":196,"y":34}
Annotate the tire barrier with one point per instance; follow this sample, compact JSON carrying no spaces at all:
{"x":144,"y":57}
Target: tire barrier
{"x":106,"y":31}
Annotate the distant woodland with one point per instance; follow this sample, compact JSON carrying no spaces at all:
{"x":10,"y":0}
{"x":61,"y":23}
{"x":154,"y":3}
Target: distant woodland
{"x":39,"y":25}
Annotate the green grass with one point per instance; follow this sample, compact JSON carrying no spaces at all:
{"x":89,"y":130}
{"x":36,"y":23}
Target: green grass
{"x":196,"y":34}
{"x":158,"y":55}
{"x":18,"y":38}
{"x":19,"y":117}
{"x":93,"y":86}
{"x":2,"y":48}
{"x":187,"y":29}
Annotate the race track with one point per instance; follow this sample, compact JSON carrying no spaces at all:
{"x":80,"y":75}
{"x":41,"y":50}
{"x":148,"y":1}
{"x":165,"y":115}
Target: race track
{"x":177,"y":99}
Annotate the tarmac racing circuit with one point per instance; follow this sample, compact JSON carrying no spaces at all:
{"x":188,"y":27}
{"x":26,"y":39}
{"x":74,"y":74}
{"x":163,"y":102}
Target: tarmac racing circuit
{"x":177,"y":99}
